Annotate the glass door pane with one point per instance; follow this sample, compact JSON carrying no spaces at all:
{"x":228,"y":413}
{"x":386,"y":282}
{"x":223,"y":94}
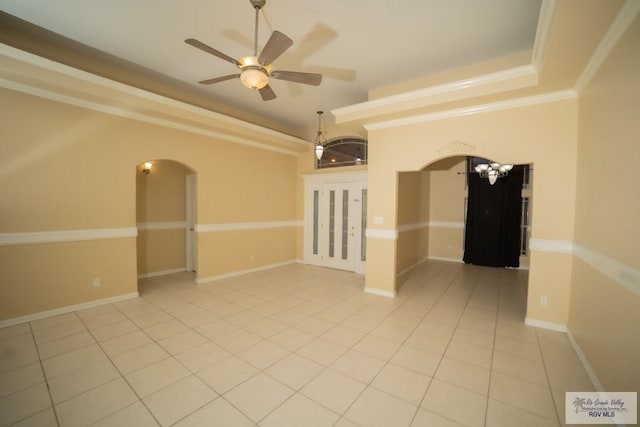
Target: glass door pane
{"x":363,"y":227}
{"x":332,"y":222}
{"x":316,"y":219}
{"x":345,"y":223}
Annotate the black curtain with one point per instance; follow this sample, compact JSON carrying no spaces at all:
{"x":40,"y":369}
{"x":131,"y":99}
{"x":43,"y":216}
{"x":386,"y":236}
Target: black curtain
{"x":492,"y":230}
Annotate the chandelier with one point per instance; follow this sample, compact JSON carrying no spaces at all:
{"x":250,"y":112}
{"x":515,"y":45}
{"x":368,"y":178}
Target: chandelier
{"x":320,"y":140}
{"x":492,"y":171}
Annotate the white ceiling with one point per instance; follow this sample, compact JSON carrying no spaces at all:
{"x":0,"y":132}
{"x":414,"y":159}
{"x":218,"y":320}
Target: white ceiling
{"x":356,"y":44}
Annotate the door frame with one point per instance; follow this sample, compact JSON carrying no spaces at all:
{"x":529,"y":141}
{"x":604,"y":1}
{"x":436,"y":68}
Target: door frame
{"x":314,"y":182}
{"x":191,"y":242}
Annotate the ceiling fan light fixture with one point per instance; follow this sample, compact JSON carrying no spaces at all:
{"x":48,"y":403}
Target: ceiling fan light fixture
{"x":254,"y":78}
{"x":256,"y":70}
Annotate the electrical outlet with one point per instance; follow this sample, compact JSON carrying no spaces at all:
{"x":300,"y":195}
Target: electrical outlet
{"x":97,"y":282}
{"x":544,"y":300}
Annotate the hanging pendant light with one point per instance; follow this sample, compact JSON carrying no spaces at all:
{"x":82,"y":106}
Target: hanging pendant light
{"x":492,"y":171}
{"x":320,"y":140}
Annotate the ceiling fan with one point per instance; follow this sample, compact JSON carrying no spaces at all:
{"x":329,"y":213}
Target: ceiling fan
{"x":257,"y":69}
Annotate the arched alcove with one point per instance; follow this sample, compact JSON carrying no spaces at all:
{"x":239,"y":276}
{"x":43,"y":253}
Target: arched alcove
{"x":432,"y":209}
{"x":165,"y":217}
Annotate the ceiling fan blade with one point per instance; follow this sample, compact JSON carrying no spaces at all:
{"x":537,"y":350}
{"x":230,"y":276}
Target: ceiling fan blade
{"x":277,"y":44}
{"x":298,"y":77}
{"x":267,"y":93}
{"x":206,"y":48}
{"x":219,"y":79}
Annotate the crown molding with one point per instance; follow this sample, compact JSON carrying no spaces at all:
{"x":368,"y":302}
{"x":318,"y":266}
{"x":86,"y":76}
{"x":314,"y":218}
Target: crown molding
{"x":514,"y":78}
{"x":160,"y":110}
{"x":476,"y":109}
{"x":621,"y":23}
{"x":545,"y":23}
{"x":491,"y":83}
{"x":500,"y":81}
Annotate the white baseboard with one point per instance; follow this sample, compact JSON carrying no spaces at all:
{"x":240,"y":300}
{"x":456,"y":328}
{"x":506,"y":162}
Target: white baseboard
{"x":242,"y":272}
{"x":380,"y":292}
{"x":576,"y":347}
{"x":585,"y":363}
{"x":437,"y":258}
{"x":411,"y":267}
{"x":67,"y":309}
{"x":558,"y":327}
{"x":161,"y":273}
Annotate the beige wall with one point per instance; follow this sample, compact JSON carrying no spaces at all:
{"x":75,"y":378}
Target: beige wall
{"x":605,"y":285}
{"x":42,"y":277}
{"x":161,"y":194}
{"x":64,"y":168}
{"x":544,"y":135}
{"x":446,"y":232}
{"x":232,"y":251}
{"x":413,"y":215}
{"x":161,"y":198}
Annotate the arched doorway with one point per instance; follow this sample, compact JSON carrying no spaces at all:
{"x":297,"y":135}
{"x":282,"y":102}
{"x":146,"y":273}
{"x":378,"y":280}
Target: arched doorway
{"x":432,"y":211}
{"x":165,"y":217}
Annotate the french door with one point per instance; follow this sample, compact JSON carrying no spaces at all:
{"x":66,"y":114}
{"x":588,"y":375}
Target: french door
{"x":335,"y":225}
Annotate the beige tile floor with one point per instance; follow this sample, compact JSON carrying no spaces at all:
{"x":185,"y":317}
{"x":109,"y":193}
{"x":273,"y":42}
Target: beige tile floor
{"x":294,"y":346}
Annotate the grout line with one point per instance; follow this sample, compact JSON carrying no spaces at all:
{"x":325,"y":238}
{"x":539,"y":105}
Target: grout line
{"x":546,"y":372}
{"x":493,"y":351}
{"x":44,"y":376}
{"x":122,"y":376}
{"x":444,"y":291}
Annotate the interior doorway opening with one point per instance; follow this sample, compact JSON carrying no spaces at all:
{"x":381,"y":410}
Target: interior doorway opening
{"x":166,"y":218}
{"x":442,"y":187}
{"x":432,"y":204}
